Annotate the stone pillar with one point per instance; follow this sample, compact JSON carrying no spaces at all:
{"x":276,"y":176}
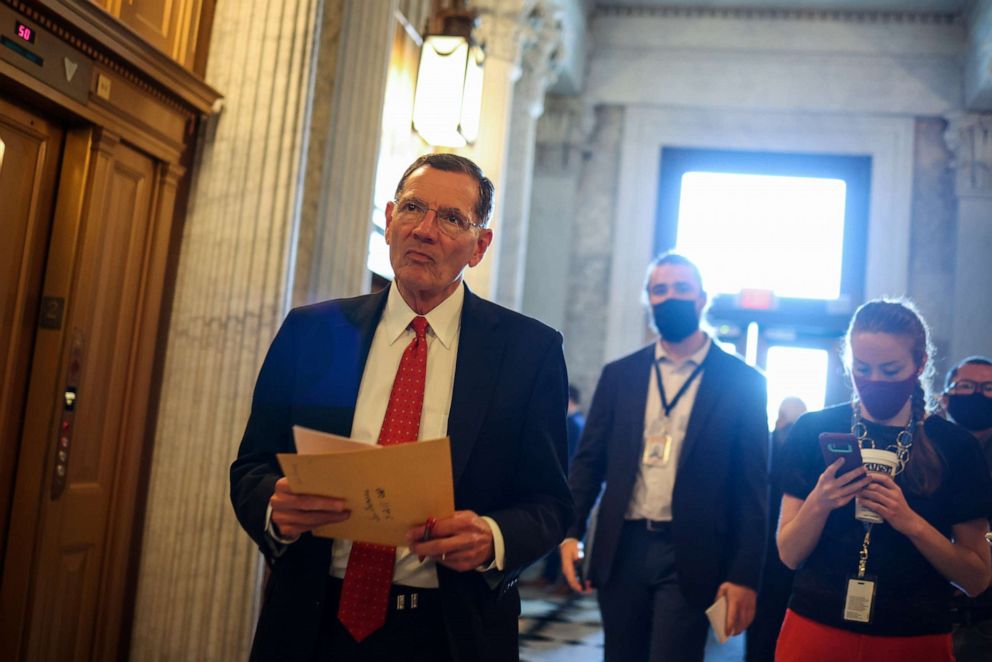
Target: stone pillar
{"x":933,"y":241}
{"x":346,"y":127}
{"x":500,"y":30}
{"x":542,"y":42}
{"x":969,"y":137}
{"x":594,"y":225}
{"x":197,"y":593}
{"x":562,"y":149}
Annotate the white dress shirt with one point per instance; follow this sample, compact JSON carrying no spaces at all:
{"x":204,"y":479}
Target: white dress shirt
{"x":392,"y":336}
{"x":652,"y":495}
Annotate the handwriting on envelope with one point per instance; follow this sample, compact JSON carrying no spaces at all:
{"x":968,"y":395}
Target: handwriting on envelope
{"x":388,"y":488}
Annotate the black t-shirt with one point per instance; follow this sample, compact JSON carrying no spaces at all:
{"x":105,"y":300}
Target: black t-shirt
{"x":982,"y":602}
{"x":912,"y":598}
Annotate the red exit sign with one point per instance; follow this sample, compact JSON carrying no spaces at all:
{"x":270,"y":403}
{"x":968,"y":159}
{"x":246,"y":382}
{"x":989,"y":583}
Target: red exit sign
{"x":753,"y":299}
{"x":25,"y":32}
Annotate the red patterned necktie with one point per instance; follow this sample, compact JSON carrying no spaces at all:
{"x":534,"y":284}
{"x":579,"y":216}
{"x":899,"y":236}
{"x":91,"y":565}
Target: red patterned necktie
{"x":365,"y":592}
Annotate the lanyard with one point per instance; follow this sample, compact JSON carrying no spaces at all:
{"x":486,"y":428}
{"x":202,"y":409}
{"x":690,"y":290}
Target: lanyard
{"x":863,"y":556}
{"x":665,"y":404}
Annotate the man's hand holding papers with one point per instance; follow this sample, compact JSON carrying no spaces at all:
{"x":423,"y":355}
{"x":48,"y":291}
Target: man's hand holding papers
{"x":294,"y":514}
{"x":461,"y":542}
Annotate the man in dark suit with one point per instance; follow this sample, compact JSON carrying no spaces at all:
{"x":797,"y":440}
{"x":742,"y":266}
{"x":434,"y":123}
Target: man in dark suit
{"x":678,"y":431}
{"x":491,"y":379}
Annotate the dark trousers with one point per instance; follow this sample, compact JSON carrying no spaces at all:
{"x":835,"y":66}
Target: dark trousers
{"x":973,"y":642}
{"x":410,"y":634}
{"x":645,"y":616}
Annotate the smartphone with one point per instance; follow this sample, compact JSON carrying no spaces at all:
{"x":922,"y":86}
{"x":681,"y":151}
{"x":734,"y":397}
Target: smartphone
{"x":835,"y":445}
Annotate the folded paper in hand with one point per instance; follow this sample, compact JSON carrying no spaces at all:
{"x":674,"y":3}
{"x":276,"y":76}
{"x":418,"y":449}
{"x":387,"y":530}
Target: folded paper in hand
{"x":717,"y":613}
{"x":387,"y":488}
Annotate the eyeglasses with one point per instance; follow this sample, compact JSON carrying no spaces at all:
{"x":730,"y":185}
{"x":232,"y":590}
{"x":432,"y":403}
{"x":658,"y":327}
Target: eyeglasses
{"x":968,"y":387}
{"x":450,"y":221}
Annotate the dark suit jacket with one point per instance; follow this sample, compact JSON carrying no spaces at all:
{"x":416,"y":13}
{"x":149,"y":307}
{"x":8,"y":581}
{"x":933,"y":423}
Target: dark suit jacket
{"x":719,"y":502}
{"x":507,"y":429}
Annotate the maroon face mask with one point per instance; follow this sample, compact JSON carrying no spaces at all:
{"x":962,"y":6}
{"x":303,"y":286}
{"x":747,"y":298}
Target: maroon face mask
{"x":882,"y":399}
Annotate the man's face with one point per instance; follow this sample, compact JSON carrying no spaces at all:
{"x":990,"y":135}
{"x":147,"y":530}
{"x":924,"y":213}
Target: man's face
{"x":675,"y":281}
{"x":975,"y":372}
{"x":427,"y":262}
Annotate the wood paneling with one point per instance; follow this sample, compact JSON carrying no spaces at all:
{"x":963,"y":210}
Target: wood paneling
{"x":106,"y":295}
{"x":31,"y":150}
{"x":111,"y":267}
{"x":91,"y":208}
{"x":171,"y":26}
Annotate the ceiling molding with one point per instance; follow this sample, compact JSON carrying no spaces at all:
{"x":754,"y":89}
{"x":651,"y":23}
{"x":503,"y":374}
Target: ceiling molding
{"x":766,"y":14}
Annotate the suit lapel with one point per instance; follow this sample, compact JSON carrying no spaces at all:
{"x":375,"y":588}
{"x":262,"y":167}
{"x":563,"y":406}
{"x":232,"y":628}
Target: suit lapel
{"x":706,"y":399}
{"x":365,"y":318}
{"x":480,"y":353}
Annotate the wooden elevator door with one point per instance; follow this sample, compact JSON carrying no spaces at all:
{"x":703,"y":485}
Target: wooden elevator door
{"x":30,"y":148}
{"x":71,"y":524}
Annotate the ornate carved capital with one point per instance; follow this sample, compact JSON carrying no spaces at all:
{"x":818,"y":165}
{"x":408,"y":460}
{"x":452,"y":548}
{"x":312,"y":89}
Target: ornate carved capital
{"x":969,"y":137}
{"x":501,"y":28}
{"x":542,"y":46}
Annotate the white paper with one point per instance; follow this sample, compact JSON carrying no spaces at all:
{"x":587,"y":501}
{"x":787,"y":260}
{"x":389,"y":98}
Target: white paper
{"x":717,"y":613}
{"x":314,"y":442}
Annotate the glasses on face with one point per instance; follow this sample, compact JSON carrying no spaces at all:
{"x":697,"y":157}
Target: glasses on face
{"x":969,"y":387}
{"x":451,"y":222}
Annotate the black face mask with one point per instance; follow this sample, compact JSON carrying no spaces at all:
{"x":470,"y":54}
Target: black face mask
{"x":972,"y":412}
{"x":675,"y":319}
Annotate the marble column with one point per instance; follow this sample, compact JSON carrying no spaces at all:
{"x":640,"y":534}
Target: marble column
{"x":197,"y":593}
{"x":563,"y":146}
{"x":542,"y":44}
{"x":591,"y":263}
{"x":969,"y":137}
{"x":346,"y":129}
{"x":500,"y":29}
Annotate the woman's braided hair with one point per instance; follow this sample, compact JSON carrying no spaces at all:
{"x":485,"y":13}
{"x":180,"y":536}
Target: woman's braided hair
{"x":900,"y":317}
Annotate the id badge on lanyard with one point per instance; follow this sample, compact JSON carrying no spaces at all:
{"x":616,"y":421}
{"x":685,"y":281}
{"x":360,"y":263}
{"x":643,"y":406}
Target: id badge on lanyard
{"x":657,"y":448}
{"x":859,"y":599}
{"x":658,"y":442}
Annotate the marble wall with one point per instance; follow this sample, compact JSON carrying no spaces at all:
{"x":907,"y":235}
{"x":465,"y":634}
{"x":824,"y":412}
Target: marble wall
{"x":199,"y":576}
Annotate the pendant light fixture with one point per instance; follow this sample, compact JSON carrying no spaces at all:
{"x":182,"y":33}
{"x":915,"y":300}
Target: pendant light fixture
{"x":448,"y":99}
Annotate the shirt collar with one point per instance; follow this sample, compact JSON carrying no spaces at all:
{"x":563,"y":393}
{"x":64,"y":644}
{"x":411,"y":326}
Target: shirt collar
{"x":696,"y":358}
{"x":444,"y":320}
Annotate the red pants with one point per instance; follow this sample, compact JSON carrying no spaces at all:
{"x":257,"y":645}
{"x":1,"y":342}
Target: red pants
{"x":803,"y":640}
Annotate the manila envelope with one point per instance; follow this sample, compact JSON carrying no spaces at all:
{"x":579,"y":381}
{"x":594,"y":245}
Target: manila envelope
{"x":387,"y":488}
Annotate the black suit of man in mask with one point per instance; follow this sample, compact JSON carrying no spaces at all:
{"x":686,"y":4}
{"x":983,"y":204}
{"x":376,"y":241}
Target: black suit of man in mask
{"x":678,"y":433}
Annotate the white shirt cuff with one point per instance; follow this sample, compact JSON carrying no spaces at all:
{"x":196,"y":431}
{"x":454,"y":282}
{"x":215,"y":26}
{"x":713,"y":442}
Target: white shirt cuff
{"x":499,"y":550}
{"x":270,"y":530}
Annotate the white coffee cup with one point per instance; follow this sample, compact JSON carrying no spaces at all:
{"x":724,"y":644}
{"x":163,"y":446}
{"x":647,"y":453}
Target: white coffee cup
{"x":875,"y":461}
